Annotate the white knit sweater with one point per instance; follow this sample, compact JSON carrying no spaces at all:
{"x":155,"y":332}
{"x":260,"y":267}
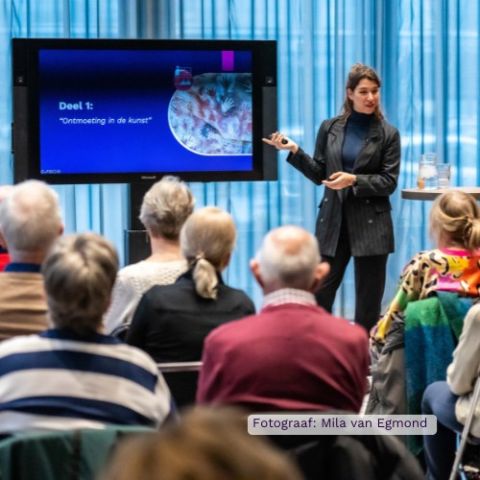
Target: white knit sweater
{"x":132,"y":282}
{"x":462,"y":373}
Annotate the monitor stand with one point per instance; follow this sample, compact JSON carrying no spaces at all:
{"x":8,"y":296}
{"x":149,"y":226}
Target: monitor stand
{"x":136,"y":242}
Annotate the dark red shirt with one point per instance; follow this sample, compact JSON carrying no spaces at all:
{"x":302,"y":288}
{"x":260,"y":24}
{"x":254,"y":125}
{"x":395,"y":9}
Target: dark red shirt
{"x":288,"y":357}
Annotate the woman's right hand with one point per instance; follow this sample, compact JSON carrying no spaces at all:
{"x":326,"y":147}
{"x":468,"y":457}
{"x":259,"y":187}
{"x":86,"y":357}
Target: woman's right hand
{"x":281,"y":142}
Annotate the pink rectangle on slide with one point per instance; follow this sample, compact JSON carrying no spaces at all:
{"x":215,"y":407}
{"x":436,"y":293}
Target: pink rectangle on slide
{"x":228,"y":60}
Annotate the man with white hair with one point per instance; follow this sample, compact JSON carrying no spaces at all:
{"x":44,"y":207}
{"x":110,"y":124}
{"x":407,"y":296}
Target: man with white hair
{"x":30,"y":221}
{"x":293,"y":355}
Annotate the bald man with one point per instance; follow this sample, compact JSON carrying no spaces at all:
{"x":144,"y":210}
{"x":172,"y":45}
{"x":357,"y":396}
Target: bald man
{"x":293,"y":355}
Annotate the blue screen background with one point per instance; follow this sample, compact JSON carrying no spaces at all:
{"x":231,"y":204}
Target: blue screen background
{"x":135,"y":84}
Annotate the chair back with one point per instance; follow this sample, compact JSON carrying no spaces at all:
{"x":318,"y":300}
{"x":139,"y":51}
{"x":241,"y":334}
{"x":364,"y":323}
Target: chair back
{"x":416,"y":353}
{"x":343,"y":457}
{"x":432,"y":328}
{"x":67,"y":455}
{"x":182,"y":379}
{"x":466,"y":430}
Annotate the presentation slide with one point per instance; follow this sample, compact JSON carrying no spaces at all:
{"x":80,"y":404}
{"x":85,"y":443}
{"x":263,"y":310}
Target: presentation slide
{"x":127,"y":111}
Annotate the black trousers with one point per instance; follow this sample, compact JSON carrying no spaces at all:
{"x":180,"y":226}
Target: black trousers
{"x":370,"y":275}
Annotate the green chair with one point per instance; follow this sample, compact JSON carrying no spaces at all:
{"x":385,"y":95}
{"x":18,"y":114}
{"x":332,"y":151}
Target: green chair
{"x":62,"y":455}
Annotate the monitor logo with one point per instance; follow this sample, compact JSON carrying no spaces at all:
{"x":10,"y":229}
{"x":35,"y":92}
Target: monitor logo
{"x":182,"y":78}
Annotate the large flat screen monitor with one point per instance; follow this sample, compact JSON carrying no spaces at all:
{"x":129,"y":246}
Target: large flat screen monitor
{"x":95,"y":111}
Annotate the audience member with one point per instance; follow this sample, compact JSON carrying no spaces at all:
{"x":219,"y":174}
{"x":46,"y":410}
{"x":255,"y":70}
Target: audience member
{"x":172,"y":321}
{"x":452,"y":266}
{"x":165,"y":207}
{"x":450,"y":401}
{"x":293,"y":355}
{"x":30,"y":221}
{"x":5,"y":190}
{"x":208,"y":444}
{"x":71,"y":376}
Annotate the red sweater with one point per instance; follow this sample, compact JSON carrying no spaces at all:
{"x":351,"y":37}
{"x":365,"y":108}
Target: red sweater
{"x":288,"y":357}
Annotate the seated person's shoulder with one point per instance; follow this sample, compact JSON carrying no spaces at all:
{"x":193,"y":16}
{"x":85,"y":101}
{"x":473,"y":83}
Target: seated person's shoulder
{"x":474,"y":312}
{"x":132,"y":270}
{"x":241,"y":298}
{"x":358,"y":333}
{"x":421,"y":261}
{"x":348,"y":331}
{"x":228,"y":331}
{"x":20,"y":342}
{"x":352,"y":333}
{"x":137,"y":356}
{"x":144,"y":271}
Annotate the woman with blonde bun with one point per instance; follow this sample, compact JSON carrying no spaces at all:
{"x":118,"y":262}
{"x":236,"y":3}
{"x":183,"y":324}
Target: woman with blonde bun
{"x":453,"y":266}
{"x":172,"y":321}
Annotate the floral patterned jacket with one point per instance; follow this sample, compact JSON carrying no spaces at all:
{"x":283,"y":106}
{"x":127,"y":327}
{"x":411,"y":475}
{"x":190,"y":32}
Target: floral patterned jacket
{"x":445,"y":269}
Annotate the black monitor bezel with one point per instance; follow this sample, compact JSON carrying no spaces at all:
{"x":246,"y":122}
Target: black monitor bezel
{"x":26,"y":126}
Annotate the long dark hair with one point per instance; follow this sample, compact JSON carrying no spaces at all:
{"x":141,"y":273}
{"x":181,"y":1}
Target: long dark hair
{"x":357,"y":73}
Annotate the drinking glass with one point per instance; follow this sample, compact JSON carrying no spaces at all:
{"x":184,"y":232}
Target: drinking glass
{"x":427,"y":172}
{"x":443,"y":171}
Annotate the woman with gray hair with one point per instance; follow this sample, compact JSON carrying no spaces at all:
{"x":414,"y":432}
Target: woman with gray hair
{"x":165,"y":208}
{"x":172,"y":321}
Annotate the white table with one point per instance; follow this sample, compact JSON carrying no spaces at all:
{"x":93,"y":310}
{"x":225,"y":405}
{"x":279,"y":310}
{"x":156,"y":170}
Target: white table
{"x":427,"y":194}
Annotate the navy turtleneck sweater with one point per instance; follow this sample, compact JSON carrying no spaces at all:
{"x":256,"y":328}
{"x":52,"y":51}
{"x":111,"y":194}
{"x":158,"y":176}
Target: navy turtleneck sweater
{"x":356,"y":131}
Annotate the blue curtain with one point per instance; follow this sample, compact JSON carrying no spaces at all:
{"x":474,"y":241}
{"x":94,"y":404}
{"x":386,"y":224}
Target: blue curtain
{"x":426,"y":52}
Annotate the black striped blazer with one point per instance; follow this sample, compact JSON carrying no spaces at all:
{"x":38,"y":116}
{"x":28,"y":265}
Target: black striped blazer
{"x":366,"y":206}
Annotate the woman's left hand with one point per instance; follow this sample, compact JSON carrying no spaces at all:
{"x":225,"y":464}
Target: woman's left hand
{"x":340,"y":180}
